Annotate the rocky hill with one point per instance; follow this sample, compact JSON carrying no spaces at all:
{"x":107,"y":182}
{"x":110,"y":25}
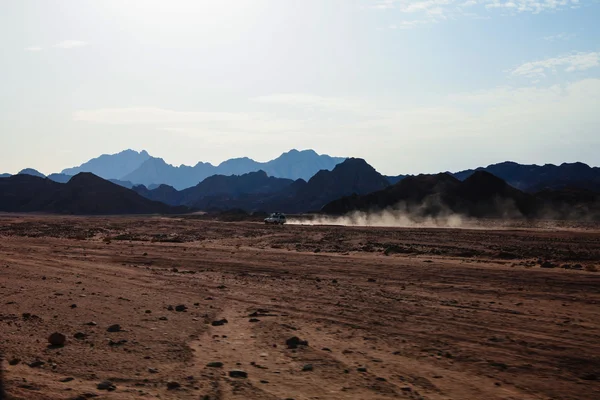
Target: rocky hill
{"x":480,"y":195}
{"x":534,"y":178}
{"x":85,"y":193}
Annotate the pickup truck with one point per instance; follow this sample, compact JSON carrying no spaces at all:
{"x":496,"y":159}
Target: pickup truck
{"x":275,"y":218}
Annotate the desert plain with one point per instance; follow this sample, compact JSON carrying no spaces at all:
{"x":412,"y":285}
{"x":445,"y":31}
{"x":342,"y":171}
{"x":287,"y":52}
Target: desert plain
{"x":239,"y":310}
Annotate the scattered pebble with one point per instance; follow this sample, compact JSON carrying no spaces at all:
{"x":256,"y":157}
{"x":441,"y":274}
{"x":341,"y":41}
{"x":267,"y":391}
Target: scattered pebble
{"x":238,"y":373}
{"x":106,"y":385}
{"x":57,"y":339}
{"x":295,"y":341}
{"x":215,"y":364}
{"x":219,"y":322}
{"x":114,"y":328}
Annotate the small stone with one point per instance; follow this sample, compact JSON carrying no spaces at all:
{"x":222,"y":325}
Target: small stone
{"x":14,"y":361}
{"x":173,"y":385}
{"x":547,"y":264}
{"x":238,"y":373}
{"x":153,"y":370}
{"x":254,"y":320}
{"x":36,"y":364}
{"x":180,"y":308}
{"x":307,"y":367}
{"x":73,"y":305}
{"x":380,"y":379}
{"x":106,"y":385}
{"x":91,"y":323}
{"x":80,"y":335}
{"x":163,"y":318}
{"x":114,"y":328}
{"x":219,"y":322}
{"x":57,"y":339}
{"x":215,"y":364}
{"x":361,"y":369}
{"x":148,"y":311}
{"x":294,"y":342}
{"x":65,"y":380}
{"x":406,"y":389}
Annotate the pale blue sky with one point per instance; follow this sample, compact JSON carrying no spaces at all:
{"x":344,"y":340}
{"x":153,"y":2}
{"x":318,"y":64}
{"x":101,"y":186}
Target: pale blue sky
{"x":411,"y":86}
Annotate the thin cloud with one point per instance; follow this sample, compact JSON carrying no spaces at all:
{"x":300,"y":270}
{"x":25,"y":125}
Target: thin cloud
{"x":162,"y":118}
{"x":432,"y":11}
{"x":33,"y":48}
{"x":567,"y":63}
{"x":153,"y":115}
{"x":310,"y":100}
{"x":70,"y":44}
{"x":532,"y":6}
{"x":560,"y":36}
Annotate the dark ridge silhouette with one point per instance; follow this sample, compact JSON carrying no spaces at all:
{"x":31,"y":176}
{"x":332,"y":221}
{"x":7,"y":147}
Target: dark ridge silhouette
{"x":394,"y":179}
{"x":257,"y":191}
{"x":163,"y":193}
{"x":480,"y":195}
{"x":84,"y":194}
{"x":217,"y":188}
{"x":570,"y":203}
{"x":5,"y":175}
{"x":63,"y":178}
{"x":534,"y":178}
{"x":291,"y":165}
{"x":413,"y":190}
{"x":353,"y":176}
{"x":60,"y":178}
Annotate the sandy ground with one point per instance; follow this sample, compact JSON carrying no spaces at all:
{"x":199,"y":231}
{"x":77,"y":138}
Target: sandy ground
{"x":388,"y":313}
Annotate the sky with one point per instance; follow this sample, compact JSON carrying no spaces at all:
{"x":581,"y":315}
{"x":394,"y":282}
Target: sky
{"x":411,"y":86}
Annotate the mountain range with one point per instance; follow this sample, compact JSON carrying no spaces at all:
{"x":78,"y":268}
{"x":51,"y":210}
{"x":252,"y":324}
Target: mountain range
{"x":129,"y":168}
{"x":352,"y":185}
{"x":141,"y":168}
{"x":481,"y":194}
{"x":257,"y":191}
{"x":534,"y":178}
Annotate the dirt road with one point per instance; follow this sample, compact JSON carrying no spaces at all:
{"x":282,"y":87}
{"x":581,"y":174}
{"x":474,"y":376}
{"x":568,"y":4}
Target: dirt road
{"x":387,"y":313}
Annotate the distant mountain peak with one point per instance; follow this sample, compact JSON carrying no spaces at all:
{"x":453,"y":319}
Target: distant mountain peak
{"x":31,"y":171}
{"x":112,"y":166}
{"x":293,"y":164}
{"x":86,"y":178}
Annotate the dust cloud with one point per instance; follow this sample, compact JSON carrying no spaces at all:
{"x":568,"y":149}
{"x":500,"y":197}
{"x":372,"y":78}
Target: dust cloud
{"x":388,"y":218}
